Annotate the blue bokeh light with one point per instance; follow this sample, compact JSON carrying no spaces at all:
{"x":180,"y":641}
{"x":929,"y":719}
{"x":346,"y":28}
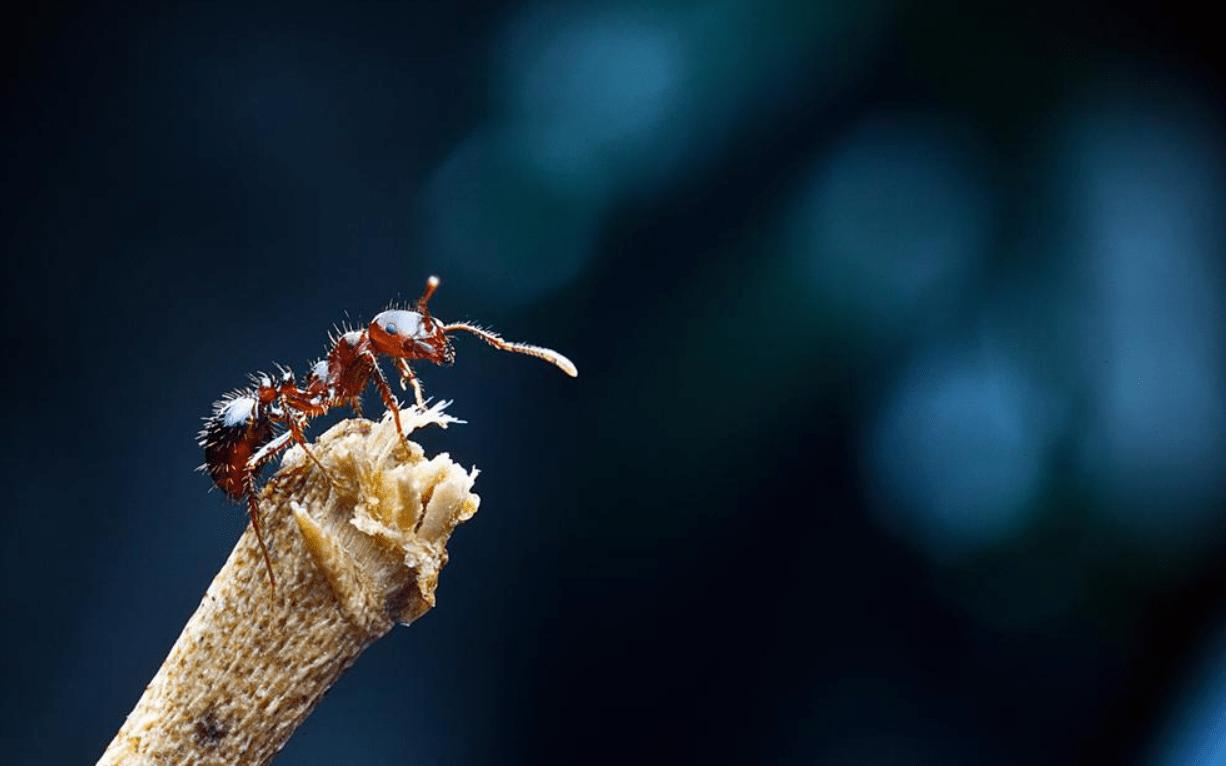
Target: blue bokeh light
{"x":493,"y":222}
{"x":625,"y":96}
{"x":892,"y":223}
{"x":592,"y":95}
{"x":596,"y":104}
{"x":1195,"y":734}
{"x":955,"y":459}
{"x":1148,"y":192}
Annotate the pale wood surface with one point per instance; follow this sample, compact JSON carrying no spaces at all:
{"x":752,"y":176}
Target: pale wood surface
{"x":351,"y":559}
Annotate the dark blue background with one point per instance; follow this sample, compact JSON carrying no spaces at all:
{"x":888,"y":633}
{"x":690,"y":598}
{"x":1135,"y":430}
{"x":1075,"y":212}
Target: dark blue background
{"x":902,"y":411}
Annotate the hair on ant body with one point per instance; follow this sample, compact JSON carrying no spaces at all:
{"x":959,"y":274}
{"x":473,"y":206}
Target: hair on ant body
{"x":250,"y":426}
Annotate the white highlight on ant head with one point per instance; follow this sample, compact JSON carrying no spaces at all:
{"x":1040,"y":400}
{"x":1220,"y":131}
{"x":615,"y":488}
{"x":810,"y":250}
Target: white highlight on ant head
{"x":401,"y":323}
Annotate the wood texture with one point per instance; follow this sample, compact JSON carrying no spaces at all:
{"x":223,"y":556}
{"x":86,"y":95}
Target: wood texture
{"x":352,"y":557}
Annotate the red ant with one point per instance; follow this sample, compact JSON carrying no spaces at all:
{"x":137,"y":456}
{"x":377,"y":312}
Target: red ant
{"x":245,"y":430}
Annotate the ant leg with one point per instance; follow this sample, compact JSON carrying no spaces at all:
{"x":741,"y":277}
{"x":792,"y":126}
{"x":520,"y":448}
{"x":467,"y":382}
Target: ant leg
{"x":389,"y":399}
{"x":267,"y":452}
{"x":295,"y":429}
{"x":254,"y":463}
{"x":253,"y":510}
{"x":406,"y":374}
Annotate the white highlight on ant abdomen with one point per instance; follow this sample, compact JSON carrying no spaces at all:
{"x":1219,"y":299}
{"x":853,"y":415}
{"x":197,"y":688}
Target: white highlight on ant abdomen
{"x":238,"y":412}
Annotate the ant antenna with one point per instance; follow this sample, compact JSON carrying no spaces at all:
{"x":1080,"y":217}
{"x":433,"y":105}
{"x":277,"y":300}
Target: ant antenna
{"x":495,"y":340}
{"x":431,"y":285}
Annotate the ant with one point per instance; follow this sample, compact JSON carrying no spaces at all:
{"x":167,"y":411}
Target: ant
{"x":250,"y":426}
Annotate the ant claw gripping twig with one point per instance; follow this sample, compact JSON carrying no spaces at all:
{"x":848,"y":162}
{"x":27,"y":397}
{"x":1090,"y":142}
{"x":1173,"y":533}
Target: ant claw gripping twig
{"x":250,"y":426}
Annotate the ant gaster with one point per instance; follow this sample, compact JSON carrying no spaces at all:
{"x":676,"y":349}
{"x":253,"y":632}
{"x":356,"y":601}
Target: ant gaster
{"x":252,"y":425}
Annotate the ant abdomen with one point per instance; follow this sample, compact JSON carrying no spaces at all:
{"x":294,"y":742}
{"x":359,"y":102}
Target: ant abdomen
{"x":231,"y":436}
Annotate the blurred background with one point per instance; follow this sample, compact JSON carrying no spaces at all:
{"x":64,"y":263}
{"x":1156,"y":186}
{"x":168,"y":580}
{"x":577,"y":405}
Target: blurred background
{"x":901,"y":425}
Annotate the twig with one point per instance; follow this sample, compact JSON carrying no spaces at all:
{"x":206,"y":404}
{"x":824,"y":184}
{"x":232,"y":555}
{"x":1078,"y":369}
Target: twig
{"x":352,"y":558}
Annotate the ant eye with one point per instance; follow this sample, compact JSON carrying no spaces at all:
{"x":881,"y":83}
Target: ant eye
{"x":390,"y":328}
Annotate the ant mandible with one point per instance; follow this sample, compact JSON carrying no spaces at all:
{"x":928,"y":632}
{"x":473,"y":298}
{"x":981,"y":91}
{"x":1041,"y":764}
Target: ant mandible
{"x":250,"y":426}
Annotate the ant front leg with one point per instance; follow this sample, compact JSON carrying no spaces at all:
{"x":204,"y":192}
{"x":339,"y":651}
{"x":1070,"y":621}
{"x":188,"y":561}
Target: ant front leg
{"x":389,"y":398}
{"x":407,"y":375}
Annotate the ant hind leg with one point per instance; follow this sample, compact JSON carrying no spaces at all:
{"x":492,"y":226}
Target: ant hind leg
{"x":253,"y":510}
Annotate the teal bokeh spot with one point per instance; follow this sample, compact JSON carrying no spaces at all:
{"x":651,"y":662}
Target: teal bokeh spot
{"x":892,"y":223}
{"x":956,"y":457}
{"x":492,"y":221}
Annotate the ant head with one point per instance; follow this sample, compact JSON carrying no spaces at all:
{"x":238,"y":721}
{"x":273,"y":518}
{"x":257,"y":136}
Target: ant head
{"x":410,"y":335}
